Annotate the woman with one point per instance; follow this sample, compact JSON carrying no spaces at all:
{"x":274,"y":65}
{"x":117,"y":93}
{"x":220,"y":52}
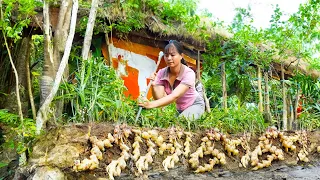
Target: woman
{"x":176,"y":83}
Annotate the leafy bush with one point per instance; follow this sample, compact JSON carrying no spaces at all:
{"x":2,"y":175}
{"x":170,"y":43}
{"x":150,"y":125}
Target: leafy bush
{"x":309,"y":118}
{"x":18,"y":135}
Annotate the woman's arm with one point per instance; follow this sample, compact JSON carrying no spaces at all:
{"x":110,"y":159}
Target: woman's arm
{"x":176,"y":93}
{"x":158,"y":91}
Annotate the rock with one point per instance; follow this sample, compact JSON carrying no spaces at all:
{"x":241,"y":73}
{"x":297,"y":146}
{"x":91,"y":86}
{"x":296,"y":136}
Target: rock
{"x":19,"y":175}
{"x":46,"y":173}
{"x":225,"y":174}
{"x":280,"y":176}
{"x":59,"y":147}
{"x":60,"y":156}
{"x":63,"y":156}
{"x":154,"y":175}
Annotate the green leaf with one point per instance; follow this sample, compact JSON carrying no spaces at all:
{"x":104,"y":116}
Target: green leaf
{"x":2,"y":164}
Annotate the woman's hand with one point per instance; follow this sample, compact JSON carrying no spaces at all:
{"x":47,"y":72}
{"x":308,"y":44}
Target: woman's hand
{"x":153,"y":78}
{"x":145,"y":103}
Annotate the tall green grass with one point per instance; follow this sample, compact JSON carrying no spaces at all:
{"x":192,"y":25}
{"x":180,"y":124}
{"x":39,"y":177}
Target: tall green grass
{"x":96,"y":94}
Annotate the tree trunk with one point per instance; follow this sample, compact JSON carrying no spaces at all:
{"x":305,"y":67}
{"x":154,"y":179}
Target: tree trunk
{"x":22,"y":58}
{"x":42,"y":113}
{"x":48,"y":70}
{"x":59,"y":43}
{"x":16,"y":77}
{"x":28,"y":74}
{"x":284,"y":96}
{"x":22,"y":159}
{"x":224,"y":87}
{"x":260,"y":105}
{"x":267,"y":113}
{"x":89,"y":30}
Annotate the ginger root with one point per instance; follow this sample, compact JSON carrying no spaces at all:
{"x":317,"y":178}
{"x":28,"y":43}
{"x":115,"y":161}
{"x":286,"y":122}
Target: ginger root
{"x":86,"y":164}
{"x":245,"y":160}
{"x":112,"y":169}
{"x":207,"y":167}
{"x":96,"y":142}
{"x":302,"y":156}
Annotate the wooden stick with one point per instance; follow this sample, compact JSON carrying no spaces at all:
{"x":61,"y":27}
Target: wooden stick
{"x":149,"y":85}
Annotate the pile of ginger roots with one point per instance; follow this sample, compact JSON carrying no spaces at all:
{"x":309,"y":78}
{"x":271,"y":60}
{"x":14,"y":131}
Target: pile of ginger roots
{"x":174,"y":144}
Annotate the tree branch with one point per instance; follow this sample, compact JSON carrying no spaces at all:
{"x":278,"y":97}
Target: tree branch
{"x":89,"y":30}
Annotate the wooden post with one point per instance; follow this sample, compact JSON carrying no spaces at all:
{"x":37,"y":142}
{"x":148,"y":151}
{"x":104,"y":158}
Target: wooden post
{"x":108,"y":49}
{"x":198,"y":66}
{"x":260,"y":105}
{"x":206,"y":100}
{"x":296,"y":104}
{"x":290,"y":109}
{"x":224,"y":87}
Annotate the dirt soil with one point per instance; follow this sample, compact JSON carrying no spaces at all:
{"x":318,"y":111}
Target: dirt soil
{"x":77,"y":136}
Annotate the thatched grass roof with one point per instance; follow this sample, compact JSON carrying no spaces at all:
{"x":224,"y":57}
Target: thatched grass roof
{"x":156,"y":32}
{"x":160,"y":30}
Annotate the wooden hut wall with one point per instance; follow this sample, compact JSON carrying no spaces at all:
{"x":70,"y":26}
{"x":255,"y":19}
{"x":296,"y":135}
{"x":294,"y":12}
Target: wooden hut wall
{"x":134,"y":63}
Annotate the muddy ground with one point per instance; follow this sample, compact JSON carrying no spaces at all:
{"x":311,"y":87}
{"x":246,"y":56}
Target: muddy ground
{"x":61,"y":146}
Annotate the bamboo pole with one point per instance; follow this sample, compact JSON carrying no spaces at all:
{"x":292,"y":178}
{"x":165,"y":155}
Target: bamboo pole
{"x":260,"y":105}
{"x":276,"y":114}
{"x":284,"y":96}
{"x":268,"y":116}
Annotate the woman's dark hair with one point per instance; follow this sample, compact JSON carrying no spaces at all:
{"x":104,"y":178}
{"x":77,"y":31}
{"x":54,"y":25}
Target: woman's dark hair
{"x":179,"y":48}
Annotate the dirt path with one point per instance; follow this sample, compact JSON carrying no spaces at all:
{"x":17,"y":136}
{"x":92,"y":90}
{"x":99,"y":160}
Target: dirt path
{"x":278,"y":172}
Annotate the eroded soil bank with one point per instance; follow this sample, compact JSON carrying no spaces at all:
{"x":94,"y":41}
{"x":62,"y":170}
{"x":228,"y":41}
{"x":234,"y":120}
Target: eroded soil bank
{"x":61,"y":154}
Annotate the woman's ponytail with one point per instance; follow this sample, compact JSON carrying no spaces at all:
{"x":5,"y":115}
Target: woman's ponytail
{"x":184,"y":62}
